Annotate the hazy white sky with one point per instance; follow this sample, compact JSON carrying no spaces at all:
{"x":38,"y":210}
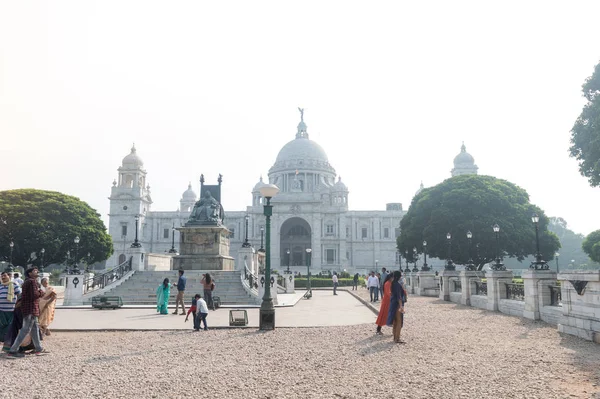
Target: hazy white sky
{"x":390,"y":89}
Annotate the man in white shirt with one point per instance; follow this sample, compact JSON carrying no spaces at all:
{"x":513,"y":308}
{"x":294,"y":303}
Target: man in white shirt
{"x":373,"y":285}
{"x":335,"y":282}
{"x":17,"y":279}
{"x":201,"y":313}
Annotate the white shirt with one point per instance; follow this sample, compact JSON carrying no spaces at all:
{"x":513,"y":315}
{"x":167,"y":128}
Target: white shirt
{"x":201,"y":306}
{"x":335,"y":279}
{"x":373,"y":281}
{"x":19,"y":281}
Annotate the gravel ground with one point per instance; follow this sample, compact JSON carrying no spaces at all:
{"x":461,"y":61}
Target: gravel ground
{"x":451,"y":351}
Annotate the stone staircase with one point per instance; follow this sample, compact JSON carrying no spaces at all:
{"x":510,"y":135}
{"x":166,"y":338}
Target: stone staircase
{"x":140,"y":288}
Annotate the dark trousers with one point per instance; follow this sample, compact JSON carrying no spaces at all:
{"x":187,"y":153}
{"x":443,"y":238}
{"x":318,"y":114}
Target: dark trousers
{"x":208,"y":299}
{"x":373,"y":293}
{"x":355,"y":286}
{"x":196,"y":321}
{"x":335,"y":285}
{"x":201,"y":317}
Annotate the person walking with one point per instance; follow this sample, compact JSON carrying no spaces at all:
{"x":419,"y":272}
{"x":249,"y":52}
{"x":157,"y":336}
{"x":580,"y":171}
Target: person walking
{"x":47,"y":305}
{"x":162,"y":297}
{"x":201,"y":313}
{"x":180,"y":292}
{"x":209,"y":286}
{"x":396,"y":311}
{"x":9,"y":290}
{"x":355,"y":283}
{"x":17,"y":279}
{"x":384,"y":275}
{"x":373,"y":285}
{"x":30,"y":307}
{"x":385,"y":304}
{"x":334,"y":278}
{"x":192,"y":310}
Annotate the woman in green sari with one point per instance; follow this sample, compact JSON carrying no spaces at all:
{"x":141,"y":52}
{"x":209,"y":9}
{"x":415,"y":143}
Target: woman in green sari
{"x":162,"y":297}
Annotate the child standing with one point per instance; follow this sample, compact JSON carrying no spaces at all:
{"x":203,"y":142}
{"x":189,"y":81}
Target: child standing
{"x":193,"y":311}
{"x":201,"y":313}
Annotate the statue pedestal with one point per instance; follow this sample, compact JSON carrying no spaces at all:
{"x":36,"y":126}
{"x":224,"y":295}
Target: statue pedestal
{"x":74,"y":289}
{"x":203,"y":248}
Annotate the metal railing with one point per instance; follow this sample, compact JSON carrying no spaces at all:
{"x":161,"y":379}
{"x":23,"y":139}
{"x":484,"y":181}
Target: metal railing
{"x":250,"y":278}
{"x":515,"y":292}
{"x":480,"y":288}
{"x":555,"y":295}
{"x":456,"y":285}
{"x":100,"y":281}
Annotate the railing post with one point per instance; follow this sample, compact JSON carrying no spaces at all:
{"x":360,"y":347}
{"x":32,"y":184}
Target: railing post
{"x":496,"y":288}
{"x":537,"y":291}
{"x":466,"y":276}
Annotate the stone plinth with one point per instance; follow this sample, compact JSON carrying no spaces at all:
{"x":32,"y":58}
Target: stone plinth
{"x":496,"y":288}
{"x":426,"y":284}
{"x":245,"y":258}
{"x":73,"y":289}
{"x":444,"y":278}
{"x":137,"y":258}
{"x":537,"y":291}
{"x":580,"y":292}
{"x":203,"y":248}
{"x":289,"y":283}
{"x":467,"y":280}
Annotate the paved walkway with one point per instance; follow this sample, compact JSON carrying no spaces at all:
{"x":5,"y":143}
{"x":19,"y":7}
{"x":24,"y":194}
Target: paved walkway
{"x":323,"y":310}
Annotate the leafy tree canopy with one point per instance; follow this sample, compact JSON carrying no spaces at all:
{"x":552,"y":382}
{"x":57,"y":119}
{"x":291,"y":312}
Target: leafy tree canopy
{"x":36,"y":219}
{"x":585,"y":134}
{"x":591,"y":245}
{"x":475,"y":203}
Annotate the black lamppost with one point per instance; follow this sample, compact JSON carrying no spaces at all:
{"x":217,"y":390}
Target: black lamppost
{"x":10,"y":268}
{"x":308,"y":294}
{"x":262,"y":231}
{"x":415,"y":258}
{"x":539,"y":263}
{"x":288,"y":260}
{"x":246,"y":243}
{"x":407,"y":270}
{"x":556,"y":255}
{"x":267,"y":311}
{"x":173,"y":250}
{"x":76,"y":268}
{"x":498,"y":265}
{"x":67,"y":269}
{"x":136,"y":243}
{"x":425,"y":268}
{"x":43,"y":251}
{"x":87,"y":262}
{"x":449,"y":263}
{"x":470,"y":265}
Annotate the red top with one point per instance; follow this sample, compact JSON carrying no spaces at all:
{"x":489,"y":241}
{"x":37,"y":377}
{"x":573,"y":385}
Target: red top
{"x":30,"y":302}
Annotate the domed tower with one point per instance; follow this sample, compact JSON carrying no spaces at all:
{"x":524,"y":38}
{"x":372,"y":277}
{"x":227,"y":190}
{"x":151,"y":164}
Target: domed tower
{"x":302,"y":165}
{"x":256,"y":197}
{"x":188,"y":199}
{"x":339,"y":194}
{"x":464,"y":164}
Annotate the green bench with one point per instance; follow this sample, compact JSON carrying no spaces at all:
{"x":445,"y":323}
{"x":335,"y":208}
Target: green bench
{"x":106,"y":302}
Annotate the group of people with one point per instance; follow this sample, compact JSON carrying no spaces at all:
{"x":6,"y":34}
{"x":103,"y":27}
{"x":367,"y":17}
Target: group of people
{"x":200,"y":304}
{"x":393,"y":299}
{"x":26,"y":312}
{"x":375,"y":284}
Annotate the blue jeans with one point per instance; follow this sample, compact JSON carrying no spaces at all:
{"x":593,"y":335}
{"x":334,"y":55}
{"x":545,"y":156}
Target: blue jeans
{"x":373,"y":293}
{"x":30,"y":324}
{"x":200,"y":317}
{"x":335,"y":285}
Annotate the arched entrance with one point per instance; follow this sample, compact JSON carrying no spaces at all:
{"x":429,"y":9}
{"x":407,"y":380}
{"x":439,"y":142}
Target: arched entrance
{"x":295,"y":237}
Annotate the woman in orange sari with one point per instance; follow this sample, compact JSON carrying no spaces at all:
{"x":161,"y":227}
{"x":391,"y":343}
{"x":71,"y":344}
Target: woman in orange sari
{"x":47,"y":303}
{"x":385,"y":303}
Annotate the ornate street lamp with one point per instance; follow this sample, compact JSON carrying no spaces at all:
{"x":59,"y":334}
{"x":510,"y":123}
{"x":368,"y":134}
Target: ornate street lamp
{"x":288,"y":260}
{"x":415,"y":258}
{"x":173,"y":250}
{"x":470,"y":265}
{"x":449,"y":263}
{"x":308,"y":294}
{"x":136,"y":243}
{"x":262,"y":231}
{"x":407,"y":270}
{"x":246,"y":243}
{"x":539,"y":263}
{"x":556,"y":255}
{"x":76,"y":268}
{"x":267,"y":311}
{"x":425,"y":268}
{"x":498,"y":265}
{"x":10,"y":268}
{"x":43,"y":251}
{"x":87,"y":262}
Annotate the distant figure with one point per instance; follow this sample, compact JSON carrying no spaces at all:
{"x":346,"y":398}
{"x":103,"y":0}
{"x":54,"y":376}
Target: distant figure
{"x":162,"y":297}
{"x":17,"y":279}
{"x":384,"y":275}
{"x":373,"y":286}
{"x":379,"y":284}
{"x":209,"y":286}
{"x":180,"y":291}
{"x":385,"y":303}
{"x":334,"y":278}
{"x":396,"y":312}
{"x":201,"y":313}
{"x":355,"y":282}
{"x":193,"y":310}
{"x":47,"y":304}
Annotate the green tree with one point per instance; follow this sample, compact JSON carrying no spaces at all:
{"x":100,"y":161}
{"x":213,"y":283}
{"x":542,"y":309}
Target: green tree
{"x":591,"y":245}
{"x":475,"y":203}
{"x":585,"y":134}
{"x":36,"y":219}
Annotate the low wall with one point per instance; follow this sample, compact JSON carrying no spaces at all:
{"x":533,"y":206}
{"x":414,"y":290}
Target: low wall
{"x":551,"y":314}
{"x":479,"y":301}
{"x":511,"y":307}
{"x":158,"y":262}
{"x":455,"y":297}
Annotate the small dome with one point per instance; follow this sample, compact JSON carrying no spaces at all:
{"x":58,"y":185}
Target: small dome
{"x":133,"y":161}
{"x":189,"y":194}
{"x":464,"y":158}
{"x":258,"y":185}
{"x":340,"y":186}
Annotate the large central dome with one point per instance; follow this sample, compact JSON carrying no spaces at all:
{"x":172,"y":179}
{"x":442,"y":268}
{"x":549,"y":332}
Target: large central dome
{"x":302,"y":148}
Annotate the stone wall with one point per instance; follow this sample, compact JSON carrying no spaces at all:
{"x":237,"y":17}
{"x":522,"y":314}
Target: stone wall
{"x":455,"y":297}
{"x":551,"y":314}
{"x":158,"y":262}
{"x":511,"y":307}
{"x":479,"y":301}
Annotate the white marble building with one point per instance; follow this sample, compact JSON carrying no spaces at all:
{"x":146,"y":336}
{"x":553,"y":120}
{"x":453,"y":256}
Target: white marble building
{"x":310,"y":211}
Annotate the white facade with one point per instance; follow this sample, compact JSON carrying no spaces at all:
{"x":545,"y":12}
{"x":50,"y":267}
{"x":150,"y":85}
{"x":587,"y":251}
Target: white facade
{"x":310,"y":211}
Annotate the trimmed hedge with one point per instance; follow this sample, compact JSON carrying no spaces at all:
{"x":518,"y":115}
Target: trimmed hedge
{"x":316,"y":282}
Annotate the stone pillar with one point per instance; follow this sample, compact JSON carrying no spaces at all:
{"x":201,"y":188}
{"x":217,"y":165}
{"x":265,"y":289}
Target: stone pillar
{"x":245,"y":257}
{"x":496,"y":289}
{"x":261,"y":287}
{"x":466,"y":278}
{"x":73,"y":289}
{"x":426,"y":281}
{"x":444,"y":278}
{"x":580,"y":291}
{"x":137,"y":261}
{"x":537,"y":292}
{"x":289,"y":283}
